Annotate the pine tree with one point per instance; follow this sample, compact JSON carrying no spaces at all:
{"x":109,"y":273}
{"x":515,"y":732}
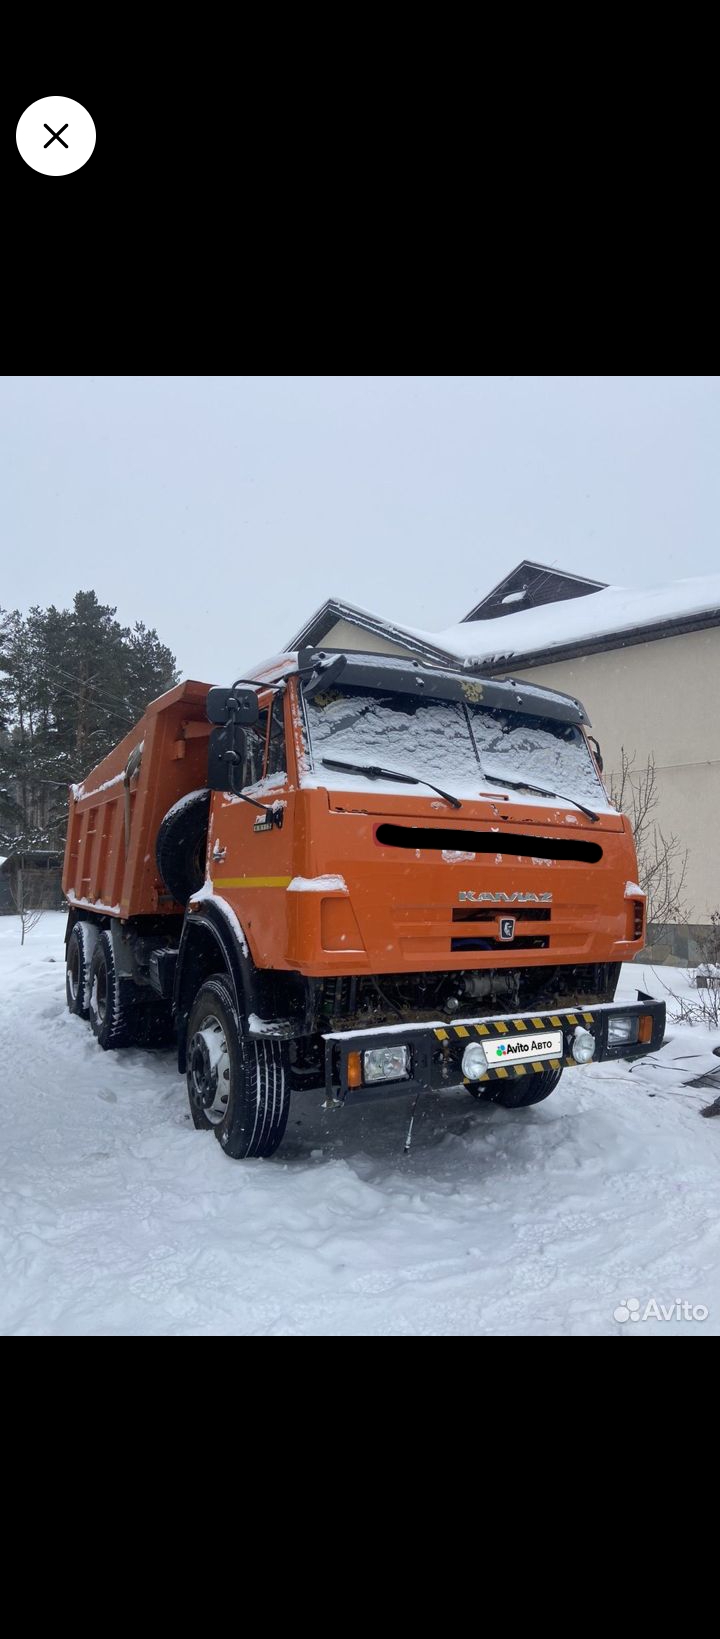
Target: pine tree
{"x":72,"y":683}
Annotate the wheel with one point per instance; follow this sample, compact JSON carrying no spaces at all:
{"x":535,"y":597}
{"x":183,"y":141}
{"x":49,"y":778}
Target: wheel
{"x":238,"y":1087}
{"x":517,"y":1094}
{"x":80,"y":946}
{"x":113,"y":1005}
{"x":181,"y":845}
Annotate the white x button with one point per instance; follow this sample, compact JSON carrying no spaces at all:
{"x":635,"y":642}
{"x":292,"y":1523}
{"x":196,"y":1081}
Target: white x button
{"x":55,"y":135}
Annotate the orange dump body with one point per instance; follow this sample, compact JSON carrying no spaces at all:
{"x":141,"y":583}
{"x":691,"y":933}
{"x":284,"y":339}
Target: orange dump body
{"x":113,"y":823}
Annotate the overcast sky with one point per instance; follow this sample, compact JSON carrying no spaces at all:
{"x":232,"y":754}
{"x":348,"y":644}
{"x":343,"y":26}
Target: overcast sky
{"x":223,"y":509}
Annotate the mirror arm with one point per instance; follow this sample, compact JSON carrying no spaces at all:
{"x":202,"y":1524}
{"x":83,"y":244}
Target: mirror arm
{"x":274,"y":814}
{"x":262,"y":688}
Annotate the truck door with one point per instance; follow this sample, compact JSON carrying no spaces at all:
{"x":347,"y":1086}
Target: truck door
{"x":250,"y":856}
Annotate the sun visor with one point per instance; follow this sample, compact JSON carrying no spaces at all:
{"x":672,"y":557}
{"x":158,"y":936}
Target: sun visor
{"x":414,"y":677}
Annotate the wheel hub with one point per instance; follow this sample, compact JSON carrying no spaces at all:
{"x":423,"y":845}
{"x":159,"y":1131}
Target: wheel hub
{"x":209,"y":1062}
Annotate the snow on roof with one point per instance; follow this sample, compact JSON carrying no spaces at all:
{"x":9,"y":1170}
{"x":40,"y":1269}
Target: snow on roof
{"x":603,"y":614}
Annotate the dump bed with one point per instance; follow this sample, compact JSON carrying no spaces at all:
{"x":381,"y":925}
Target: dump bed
{"x":115,"y":814}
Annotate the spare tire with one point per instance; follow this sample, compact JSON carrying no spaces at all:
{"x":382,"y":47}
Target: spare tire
{"x":181,"y":845}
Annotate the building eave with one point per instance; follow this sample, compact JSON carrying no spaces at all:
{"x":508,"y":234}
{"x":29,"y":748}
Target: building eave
{"x":599,"y":645}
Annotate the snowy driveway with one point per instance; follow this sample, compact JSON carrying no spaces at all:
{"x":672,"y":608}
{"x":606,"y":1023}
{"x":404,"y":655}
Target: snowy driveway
{"x":117,"y":1217}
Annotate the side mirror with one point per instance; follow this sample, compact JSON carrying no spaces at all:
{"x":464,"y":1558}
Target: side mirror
{"x":226,"y":754}
{"x":233,"y":706}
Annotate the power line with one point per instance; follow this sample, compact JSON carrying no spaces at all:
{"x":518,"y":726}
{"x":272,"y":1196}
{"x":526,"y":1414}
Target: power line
{"x":99,"y":699}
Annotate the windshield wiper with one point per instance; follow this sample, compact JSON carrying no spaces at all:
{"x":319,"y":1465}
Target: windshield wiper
{"x":374,"y":773}
{"x":540,"y":791}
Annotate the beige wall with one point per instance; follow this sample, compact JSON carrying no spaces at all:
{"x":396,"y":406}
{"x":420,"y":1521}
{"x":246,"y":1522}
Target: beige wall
{"x":663,"y":698}
{"x":345,"y":636}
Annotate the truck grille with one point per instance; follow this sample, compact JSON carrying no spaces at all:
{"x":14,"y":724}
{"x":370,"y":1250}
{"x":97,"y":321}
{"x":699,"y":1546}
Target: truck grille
{"x":431,"y":930}
{"x":500,"y":944}
{"x":489,"y":941}
{"x":522,"y":913}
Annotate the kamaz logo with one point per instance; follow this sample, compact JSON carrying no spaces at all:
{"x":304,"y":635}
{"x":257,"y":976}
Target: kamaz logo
{"x":504,"y":898}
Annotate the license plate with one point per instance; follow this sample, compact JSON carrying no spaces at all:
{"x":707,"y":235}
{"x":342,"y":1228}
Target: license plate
{"x":541,"y":1044}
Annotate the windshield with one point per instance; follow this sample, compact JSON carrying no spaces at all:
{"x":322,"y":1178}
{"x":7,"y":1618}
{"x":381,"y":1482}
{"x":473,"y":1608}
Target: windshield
{"x":447,"y":742}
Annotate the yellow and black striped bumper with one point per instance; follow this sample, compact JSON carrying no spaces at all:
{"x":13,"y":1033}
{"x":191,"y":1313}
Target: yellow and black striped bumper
{"x":514,"y":1027}
{"x":437,"y":1049}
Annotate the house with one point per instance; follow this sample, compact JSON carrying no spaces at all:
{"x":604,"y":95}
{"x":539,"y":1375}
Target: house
{"x":644,"y":661}
{"x":33,"y":879}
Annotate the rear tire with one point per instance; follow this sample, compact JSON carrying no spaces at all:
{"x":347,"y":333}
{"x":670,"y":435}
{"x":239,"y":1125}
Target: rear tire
{"x":237,"y":1086}
{"x":181,"y":845}
{"x":517,"y":1095}
{"x":80,"y":946}
{"x":114,"y":1009}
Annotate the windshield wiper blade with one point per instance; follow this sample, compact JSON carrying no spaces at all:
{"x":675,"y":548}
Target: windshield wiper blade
{"x":375,"y":773}
{"x":540,"y":791}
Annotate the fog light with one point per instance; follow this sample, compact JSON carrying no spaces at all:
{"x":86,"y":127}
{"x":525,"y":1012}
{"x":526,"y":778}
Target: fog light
{"x":583,"y":1047}
{"x":474,"y":1062}
{"x":386,"y":1063}
{"x":622,"y":1027}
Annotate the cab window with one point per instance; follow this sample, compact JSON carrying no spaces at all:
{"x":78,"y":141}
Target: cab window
{"x":265,"y":754}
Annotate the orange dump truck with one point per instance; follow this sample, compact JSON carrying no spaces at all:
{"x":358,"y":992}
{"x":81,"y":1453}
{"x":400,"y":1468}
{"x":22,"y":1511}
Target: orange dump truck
{"x":358,"y":874}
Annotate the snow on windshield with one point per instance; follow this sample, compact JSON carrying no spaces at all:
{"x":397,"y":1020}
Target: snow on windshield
{"x":434,"y":740}
{"x":426,"y":738}
{"x":547,"y":753}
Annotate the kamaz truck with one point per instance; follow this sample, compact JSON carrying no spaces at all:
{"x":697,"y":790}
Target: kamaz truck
{"x":359,"y":875}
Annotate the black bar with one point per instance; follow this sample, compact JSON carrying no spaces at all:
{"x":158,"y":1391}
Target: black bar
{"x":435,"y":1063}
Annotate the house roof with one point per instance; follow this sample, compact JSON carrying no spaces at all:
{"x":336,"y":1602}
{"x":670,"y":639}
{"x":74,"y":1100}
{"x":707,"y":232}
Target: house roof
{"x":614,"y":617}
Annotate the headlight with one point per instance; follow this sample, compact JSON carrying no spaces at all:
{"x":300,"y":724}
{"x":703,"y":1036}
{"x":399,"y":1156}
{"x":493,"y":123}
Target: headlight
{"x":622,"y":1027}
{"x":583,"y":1047}
{"x":474,"y":1062}
{"x":386,"y":1064}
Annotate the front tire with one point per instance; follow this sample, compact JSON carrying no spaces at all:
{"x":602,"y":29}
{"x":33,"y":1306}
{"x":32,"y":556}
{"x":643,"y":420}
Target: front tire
{"x":517,"y":1095}
{"x":238,"y":1087}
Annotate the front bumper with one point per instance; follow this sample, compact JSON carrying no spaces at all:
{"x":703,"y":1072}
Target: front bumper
{"x":436,"y":1048}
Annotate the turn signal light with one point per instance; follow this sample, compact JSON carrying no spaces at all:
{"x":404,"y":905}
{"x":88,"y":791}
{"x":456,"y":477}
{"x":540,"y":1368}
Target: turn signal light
{"x":646,"y":1027}
{"x":354,"y":1070}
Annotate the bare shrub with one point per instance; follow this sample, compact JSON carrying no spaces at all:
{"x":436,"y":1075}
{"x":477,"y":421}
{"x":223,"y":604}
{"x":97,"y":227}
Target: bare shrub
{"x":703,"y":1007}
{"x":662,"y":861}
{"x":30,"y":905}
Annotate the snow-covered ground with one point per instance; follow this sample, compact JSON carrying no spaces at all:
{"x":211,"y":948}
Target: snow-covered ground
{"x":117,"y":1217}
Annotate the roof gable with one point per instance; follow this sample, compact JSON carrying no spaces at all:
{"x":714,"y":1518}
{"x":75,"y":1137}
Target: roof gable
{"x":530,"y":585}
{"x":315,"y":631}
